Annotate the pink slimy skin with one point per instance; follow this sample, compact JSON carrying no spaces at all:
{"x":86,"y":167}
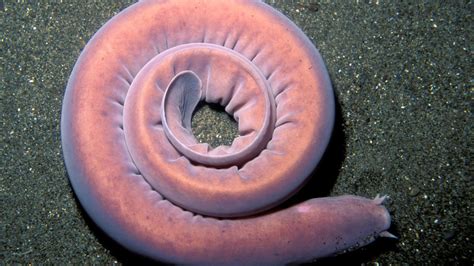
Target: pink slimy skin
{"x":145,"y":180}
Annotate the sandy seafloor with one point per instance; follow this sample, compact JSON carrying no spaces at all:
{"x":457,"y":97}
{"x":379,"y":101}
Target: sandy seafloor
{"x":402,"y":73}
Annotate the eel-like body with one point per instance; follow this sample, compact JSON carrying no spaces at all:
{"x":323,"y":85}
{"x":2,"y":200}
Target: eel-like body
{"x":146,"y":181}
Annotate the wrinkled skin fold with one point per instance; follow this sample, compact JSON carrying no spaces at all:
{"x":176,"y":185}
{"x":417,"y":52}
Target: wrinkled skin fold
{"x":147,"y":182}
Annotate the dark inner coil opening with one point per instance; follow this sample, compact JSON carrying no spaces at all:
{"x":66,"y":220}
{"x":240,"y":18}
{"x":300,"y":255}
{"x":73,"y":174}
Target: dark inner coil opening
{"x":211,"y":124}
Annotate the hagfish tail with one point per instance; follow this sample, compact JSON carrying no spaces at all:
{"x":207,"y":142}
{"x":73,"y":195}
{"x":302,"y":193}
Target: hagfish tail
{"x":149,"y":184}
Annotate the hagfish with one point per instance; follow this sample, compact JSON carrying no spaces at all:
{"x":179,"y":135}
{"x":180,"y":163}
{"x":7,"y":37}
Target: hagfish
{"x":149,"y":184}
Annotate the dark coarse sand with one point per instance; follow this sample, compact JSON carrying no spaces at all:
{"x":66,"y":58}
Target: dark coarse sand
{"x":403,"y":77}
